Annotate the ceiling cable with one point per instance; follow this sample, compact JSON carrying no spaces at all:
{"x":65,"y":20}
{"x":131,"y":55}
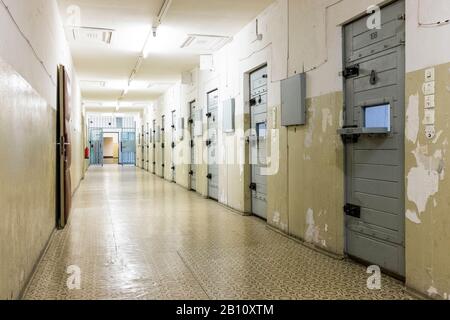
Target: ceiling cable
{"x":161,"y":15}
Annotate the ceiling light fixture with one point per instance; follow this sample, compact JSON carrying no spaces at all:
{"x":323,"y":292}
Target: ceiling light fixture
{"x":145,"y":50}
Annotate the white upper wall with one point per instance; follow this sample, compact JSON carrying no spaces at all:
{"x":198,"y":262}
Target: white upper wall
{"x":427,"y":45}
{"x":40,"y":23}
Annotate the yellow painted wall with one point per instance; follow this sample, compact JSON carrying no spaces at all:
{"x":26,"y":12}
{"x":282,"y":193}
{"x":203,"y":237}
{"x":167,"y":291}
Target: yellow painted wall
{"x":27,"y":153}
{"x":28,"y":135}
{"x":428,"y":187}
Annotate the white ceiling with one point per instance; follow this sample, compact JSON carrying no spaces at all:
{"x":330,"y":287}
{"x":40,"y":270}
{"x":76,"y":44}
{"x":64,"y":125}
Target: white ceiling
{"x":132,"y":21}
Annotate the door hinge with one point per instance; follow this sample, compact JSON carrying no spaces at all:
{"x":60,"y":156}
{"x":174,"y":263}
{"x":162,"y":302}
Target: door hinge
{"x":252,"y":102}
{"x":191,"y":173}
{"x":208,"y":115}
{"x":352,"y":210}
{"x":173,"y":145}
{"x":209,"y":176}
{"x":192,"y":143}
{"x":162,"y":146}
{"x":253,"y":186}
{"x":208,"y":143}
{"x":402,"y":17}
{"x":351,"y":72}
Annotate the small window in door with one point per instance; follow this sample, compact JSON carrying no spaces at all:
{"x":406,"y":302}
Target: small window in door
{"x":261,"y":130}
{"x":378,"y":116}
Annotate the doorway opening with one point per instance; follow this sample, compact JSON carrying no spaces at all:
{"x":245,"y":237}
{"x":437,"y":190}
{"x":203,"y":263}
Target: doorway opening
{"x":111,"y":148}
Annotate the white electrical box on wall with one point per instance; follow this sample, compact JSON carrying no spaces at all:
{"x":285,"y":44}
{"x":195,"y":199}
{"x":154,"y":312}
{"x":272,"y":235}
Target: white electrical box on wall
{"x":293,"y":101}
{"x":229,"y":107}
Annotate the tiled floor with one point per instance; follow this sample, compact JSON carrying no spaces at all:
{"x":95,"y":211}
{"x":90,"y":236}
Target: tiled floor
{"x":135,"y":236}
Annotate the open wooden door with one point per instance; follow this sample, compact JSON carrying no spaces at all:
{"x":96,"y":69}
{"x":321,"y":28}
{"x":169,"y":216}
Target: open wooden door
{"x":64,"y":150}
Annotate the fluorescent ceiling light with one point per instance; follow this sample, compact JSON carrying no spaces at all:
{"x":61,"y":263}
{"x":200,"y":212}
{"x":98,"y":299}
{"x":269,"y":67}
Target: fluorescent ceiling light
{"x":93,"y":84}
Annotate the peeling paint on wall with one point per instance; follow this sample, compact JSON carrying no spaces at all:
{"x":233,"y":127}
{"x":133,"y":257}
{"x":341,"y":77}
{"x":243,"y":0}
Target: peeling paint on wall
{"x":412,"y":216}
{"x":423,"y":180}
{"x":327,"y":119}
{"x":310,"y":133}
{"x":412,"y":118}
{"x":312,"y":231}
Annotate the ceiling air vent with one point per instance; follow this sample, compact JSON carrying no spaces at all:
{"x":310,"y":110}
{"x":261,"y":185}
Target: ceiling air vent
{"x":92,"y":35}
{"x":205,"y":42}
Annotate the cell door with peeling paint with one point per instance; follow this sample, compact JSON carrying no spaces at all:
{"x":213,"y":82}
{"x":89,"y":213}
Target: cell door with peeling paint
{"x":211,"y":143}
{"x":374,"y":139}
{"x":258,"y":138}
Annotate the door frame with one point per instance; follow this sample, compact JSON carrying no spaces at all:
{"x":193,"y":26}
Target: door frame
{"x":118,"y":146}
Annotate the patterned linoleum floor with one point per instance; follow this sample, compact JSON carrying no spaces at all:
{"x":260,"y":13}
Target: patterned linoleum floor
{"x":135,"y":236}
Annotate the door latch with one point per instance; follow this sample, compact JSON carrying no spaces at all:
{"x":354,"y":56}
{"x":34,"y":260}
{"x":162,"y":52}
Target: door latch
{"x":208,"y":142}
{"x":351,"y":72}
{"x":352,"y":210}
{"x":252,"y":102}
{"x":209,"y":176}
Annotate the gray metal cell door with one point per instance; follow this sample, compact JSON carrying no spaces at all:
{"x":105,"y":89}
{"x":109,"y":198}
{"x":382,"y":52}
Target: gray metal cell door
{"x":173,"y":145}
{"x":258,"y":137}
{"x":154,"y":147}
{"x":211,"y":142}
{"x":127,"y":154}
{"x":96,"y":146}
{"x":163,"y":146}
{"x":192,"y":122}
{"x":143,"y":147}
{"x":147,"y":147}
{"x":374,"y":98}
